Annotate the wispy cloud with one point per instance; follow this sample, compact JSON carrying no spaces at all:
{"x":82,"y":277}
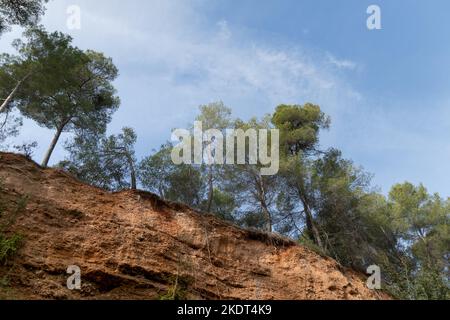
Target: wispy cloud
{"x":172,"y":59}
{"x":192,"y":60}
{"x":341,"y":63}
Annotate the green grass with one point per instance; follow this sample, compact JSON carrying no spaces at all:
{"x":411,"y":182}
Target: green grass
{"x":308,"y":243}
{"x":8,"y":247}
{"x":176,"y":291}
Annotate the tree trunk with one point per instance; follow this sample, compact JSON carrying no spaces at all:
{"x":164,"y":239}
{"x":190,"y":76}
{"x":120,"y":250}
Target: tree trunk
{"x":11,"y":95}
{"x":133,"y":180}
{"x":262,"y":199}
{"x":310,"y":224}
{"x":132,"y":173}
{"x":268,"y":217}
{"x":161,"y":192}
{"x":52,"y":146}
{"x":211,"y":189}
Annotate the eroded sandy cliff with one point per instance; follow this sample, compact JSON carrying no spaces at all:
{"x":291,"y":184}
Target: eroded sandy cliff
{"x":131,"y":245}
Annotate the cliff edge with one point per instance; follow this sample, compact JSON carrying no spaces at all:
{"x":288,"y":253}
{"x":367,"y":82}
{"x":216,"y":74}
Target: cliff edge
{"x":133,"y":245}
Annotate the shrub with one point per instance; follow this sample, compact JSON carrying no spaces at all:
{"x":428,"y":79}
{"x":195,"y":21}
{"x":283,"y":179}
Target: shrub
{"x":176,"y":291}
{"x":8,"y":247}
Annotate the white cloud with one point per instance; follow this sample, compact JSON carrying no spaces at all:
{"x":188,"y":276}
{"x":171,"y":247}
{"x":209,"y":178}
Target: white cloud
{"x":172,"y":58}
{"x":341,"y":63}
{"x":224,"y":32}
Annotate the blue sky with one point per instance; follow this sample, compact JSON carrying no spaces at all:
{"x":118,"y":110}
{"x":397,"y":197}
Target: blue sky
{"x":387,"y":91}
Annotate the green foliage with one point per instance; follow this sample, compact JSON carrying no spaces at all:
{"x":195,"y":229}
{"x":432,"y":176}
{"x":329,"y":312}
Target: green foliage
{"x":20,"y":12}
{"x":299,"y":126}
{"x":176,"y":291}
{"x":9,"y":244}
{"x":421,"y":224}
{"x":223,"y":205}
{"x":181,"y":183}
{"x":215,"y":116}
{"x":194,"y":185}
{"x":185,"y":185}
{"x":430,"y":284}
{"x":337,"y":191}
{"x":299,"y":135}
{"x":4,"y":282}
{"x":408,"y":283}
{"x":251,"y":219}
{"x":5,"y":289}
{"x":319,"y":197}
{"x":8,"y":247}
{"x":254,"y":194}
{"x":9,"y":127}
{"x":67,"y":89}
{"x":306,"y":241}
{"x":10,"y":123}
{"x":154,"y":171}
{"x":26,"y":148}
{"x":105,"y":162}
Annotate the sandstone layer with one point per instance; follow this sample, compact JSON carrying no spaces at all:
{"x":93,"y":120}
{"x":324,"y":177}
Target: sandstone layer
{"x":132,"y":245}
